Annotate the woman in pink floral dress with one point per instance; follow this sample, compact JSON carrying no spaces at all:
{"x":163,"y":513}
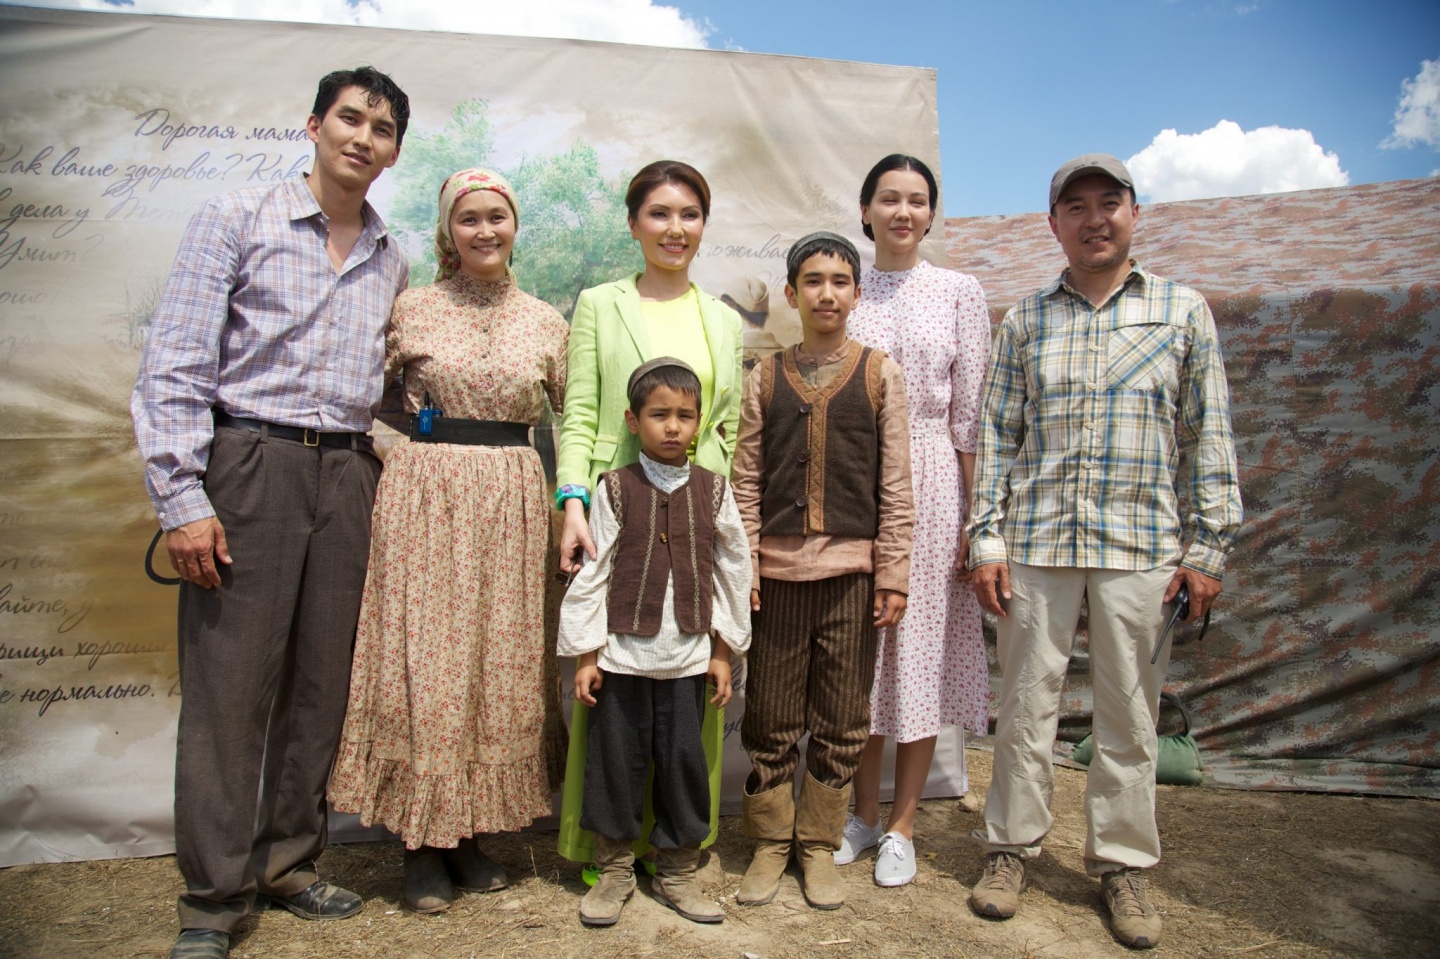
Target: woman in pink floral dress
{"x":444,"y":733}
{"x":931,"y":669}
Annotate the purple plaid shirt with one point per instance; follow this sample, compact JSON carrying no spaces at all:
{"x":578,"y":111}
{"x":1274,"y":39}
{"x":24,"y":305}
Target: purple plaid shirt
{"x":255,"y":321}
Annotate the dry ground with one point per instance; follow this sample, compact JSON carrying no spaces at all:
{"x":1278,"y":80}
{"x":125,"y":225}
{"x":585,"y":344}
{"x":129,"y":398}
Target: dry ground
{"x":1245,"y":875}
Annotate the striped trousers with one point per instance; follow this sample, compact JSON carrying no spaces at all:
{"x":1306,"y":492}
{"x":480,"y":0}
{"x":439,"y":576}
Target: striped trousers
{"x":811,"y":665}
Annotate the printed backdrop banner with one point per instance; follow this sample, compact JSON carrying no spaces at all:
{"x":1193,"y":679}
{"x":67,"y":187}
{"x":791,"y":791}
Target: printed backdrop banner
{"x":114,"y":128}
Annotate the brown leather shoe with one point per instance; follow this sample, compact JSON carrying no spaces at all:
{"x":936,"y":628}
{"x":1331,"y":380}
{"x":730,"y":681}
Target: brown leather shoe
{"x":201,"y":944}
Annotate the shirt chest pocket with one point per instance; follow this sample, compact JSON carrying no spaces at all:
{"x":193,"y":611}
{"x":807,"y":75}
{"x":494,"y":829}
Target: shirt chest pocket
{"x":1144,"y":356}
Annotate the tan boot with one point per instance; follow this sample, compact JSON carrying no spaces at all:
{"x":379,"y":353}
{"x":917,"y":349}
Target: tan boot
{"x":769,"y":818}
{"x":676,"y":886}
{"x":427,"y":885}
{"x":819,"y":827}
{"x":602,"y":904}
{"x":1133,"y":920}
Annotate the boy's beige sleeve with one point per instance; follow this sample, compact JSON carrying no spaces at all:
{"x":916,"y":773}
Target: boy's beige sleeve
{"x":897,"y":500}
{"x":748,"y":473}
{"x":730,"y":604}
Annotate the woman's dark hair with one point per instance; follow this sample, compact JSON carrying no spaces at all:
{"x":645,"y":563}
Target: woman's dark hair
{"x":897,"y":161}
{"x":658,"y":174}
{"x":377,"y":87}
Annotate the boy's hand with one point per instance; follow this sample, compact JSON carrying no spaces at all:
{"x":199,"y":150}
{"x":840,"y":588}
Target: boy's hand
{"x":718,"y":675}
{"x":755,"y":600}
{"x":588,"y":678}
{"x":889,"y":608}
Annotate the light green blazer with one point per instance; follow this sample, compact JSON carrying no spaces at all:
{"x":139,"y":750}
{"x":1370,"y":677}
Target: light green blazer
{"x":607,"y":341}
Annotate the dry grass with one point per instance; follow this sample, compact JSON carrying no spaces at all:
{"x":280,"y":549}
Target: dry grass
{"x":1245,"y":875}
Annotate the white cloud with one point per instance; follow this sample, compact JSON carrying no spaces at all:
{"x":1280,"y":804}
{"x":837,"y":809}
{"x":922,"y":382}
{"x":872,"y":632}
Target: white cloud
{"x":1228,"y":161}
{"x":620,"y":21}
{"x":1417,"y":118}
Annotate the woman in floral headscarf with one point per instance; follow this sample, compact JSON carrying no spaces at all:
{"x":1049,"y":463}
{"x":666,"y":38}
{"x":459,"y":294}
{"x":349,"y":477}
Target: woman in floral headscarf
{"x":444,"y":734}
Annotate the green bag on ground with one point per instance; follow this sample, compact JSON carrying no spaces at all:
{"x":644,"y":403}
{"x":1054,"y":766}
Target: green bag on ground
{"x":1179,"y":761}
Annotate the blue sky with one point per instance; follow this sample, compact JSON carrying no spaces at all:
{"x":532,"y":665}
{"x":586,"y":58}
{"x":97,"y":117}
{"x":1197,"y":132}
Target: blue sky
{"x":1310,"y":88}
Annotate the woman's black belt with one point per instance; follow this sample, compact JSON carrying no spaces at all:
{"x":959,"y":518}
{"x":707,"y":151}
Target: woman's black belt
{"x":448,"y":429}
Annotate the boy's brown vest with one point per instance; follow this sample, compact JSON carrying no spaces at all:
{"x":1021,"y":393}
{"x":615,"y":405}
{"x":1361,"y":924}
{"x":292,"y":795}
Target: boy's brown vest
{"x":822,"y":448}
{"x":662,"y":535}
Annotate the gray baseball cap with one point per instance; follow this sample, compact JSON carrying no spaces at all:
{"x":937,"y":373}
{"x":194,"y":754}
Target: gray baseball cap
{"x":1084,"y":166}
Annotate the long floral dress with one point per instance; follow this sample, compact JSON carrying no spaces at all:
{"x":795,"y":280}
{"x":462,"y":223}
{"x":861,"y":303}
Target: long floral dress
{"x":931,"y":669}
{"x":445,"y":734}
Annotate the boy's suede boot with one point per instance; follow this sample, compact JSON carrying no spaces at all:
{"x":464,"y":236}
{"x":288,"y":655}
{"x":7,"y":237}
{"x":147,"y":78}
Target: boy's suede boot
{"x":819,"y":827}
{"x":770,"y":819}
{"x":602,"y":904}
{"x":676,"y":886}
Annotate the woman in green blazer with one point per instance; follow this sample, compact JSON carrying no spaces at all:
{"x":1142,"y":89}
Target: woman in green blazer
{"x":614,"y":330}
{"x":616,"y":327}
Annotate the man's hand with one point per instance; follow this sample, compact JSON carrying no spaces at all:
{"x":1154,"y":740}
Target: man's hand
{"x":992,"y":586}
{"x":755,"y":600}
{"x":588,"y":678}
{"x":889,"y":608}
{"x":1203,"y":590}
{"x":195,"y":547}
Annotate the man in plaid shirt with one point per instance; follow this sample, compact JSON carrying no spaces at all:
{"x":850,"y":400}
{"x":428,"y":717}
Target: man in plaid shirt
{"x":252,"y":410}
{"x":1099,"y":386}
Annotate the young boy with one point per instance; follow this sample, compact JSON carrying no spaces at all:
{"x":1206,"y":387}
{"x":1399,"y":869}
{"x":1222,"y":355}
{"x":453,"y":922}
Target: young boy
{"x":822,"y":479}
{"x":672,"y":569}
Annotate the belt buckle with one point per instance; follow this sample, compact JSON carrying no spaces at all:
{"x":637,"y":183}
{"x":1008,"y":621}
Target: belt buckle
{"x":311,"y":437}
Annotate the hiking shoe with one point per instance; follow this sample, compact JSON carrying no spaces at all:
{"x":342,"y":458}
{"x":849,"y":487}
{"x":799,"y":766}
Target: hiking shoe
{"x":858,"y":838}
{"x":997,"y":894}
{"x":895,"y":863}
{"x":1132,"y":919}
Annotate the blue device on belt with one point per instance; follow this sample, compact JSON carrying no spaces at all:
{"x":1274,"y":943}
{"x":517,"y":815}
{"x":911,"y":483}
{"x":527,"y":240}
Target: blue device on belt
{"x":425,"y":419}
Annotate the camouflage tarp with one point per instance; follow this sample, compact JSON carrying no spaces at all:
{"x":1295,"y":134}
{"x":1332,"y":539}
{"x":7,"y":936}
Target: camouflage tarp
{"x":1319,"y":671}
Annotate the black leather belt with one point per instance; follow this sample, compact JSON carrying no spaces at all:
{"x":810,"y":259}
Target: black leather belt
{"x":309,"y":437}
{"x":445,"y":429}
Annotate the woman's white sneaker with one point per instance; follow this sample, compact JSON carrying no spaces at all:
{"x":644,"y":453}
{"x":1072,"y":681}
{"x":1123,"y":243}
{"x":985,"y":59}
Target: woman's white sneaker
{"x":858,"y":838}
{"x":895,"y":864}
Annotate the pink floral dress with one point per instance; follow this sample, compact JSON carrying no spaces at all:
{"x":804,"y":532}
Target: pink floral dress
{"x":445,"y":734}
{"x":931,"y":670}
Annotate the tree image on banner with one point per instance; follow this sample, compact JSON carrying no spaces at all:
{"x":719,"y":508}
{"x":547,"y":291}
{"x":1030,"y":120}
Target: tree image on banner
{"x":573,"y":230}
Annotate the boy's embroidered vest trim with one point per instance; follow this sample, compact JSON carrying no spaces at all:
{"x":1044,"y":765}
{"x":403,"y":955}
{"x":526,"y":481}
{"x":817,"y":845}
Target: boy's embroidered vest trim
{"x":662,"y":535}
{"x":822,"y":448}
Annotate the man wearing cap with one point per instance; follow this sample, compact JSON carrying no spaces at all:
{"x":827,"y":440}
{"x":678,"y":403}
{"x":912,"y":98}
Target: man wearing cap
{"x":1100,"y":384}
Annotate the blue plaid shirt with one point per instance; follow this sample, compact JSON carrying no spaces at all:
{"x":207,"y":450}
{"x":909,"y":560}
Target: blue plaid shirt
{"x":255,"y":320}
{"x":1087,"y":414}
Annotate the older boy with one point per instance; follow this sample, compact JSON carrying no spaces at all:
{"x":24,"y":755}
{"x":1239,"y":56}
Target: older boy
{"x":822,"y":479}
{"x":252,"y":410}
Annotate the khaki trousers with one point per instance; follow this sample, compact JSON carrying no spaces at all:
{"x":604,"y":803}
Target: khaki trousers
{"x":1126,"y":617}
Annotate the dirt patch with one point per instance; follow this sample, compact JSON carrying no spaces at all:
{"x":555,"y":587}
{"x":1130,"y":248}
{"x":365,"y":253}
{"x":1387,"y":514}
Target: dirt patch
{"x":1245,"y":874}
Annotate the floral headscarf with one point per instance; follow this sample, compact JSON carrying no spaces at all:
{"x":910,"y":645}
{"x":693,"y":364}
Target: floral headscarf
{"x":447,"y":258}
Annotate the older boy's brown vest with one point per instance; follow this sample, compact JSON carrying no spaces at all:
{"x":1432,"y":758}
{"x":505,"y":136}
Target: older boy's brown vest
{"x":822,"y":447}
{"x":662,"y":535}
